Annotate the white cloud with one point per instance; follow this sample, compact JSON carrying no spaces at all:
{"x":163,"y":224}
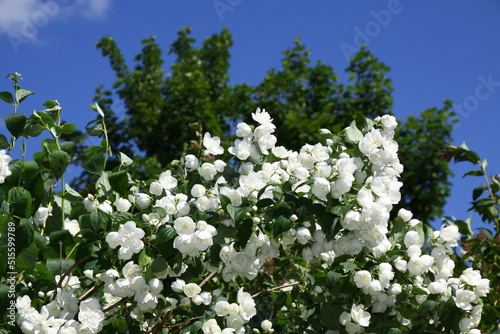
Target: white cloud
{"x":25,"y":17}
{"x":94,"y":9}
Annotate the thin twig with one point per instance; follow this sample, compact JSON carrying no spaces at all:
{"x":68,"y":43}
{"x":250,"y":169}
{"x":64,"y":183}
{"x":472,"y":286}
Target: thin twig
{"x":276,"y":288}
{"x":208,"y":278}
{"x":121,"y":301}
{"x":66,"y":273}
{"x":91,"y":291}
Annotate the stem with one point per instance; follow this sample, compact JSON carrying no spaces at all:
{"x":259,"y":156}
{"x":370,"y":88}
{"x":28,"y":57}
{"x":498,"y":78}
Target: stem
{"x":66,"y":273}
{"x":276,"y":288}
{"x":208,"y":278}
{"x":91,"y":291}
{"x":121,"y":301}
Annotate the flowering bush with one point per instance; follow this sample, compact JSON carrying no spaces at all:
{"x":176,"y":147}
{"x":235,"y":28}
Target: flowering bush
{"x":250,"y":236}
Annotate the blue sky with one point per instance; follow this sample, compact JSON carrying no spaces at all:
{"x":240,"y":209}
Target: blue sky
{"x":436,"y":50}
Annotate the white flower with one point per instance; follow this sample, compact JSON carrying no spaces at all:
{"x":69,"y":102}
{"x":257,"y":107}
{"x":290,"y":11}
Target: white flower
{"x":263,"y":118}
{"x":191,"y":162}
{"x":419,"y":264}
{"x":4,"y":166}
{"x":90,"y":315}
{"x":211,"y":327}
{"x":483,"y":287}
{"x":69,"y":281}
{"x":405,"y":214}
{"x":156,"y":188}
{"x":466,"y":325}
{"x":167,"y":181}
{"x":362,"y":278}
{"x":191,"y":289}
{"x":198,"y":190}
{"x":247,"y":305}
{"x":243,"y":129}
{"x":212,"y":144}
{"x":267,"y":326}
{"x":129,"y":238}
{"x":106,"y":207}
{"x":143,"y":200}
{"x":471,"y":276}
{"x":178,"y":285}
{"x":123,"y":205}
{"x":208,"y":171}
{"x":464,"y":298}
{"x":450,"y":235}
{"x":184,"y":225}
{"x":321,"y":187}
{"x":411,"y":238}
{"x":72,"y":226}
{"x":41,"y":215}
{"x":360,"y":316}
{"x":388,"y":121}
{"x":303,"y":235}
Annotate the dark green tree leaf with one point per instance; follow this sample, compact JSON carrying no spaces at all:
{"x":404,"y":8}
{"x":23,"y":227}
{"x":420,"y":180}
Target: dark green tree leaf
{"x":15,"y":124}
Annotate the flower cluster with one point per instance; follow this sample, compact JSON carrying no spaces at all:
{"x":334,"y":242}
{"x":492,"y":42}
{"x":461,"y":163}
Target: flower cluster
{"x":4,"y":166}
{"x":236,"y":314}
{"x":58,"y":315}
{"x":128,"y":238}
{"x":325,"y":208}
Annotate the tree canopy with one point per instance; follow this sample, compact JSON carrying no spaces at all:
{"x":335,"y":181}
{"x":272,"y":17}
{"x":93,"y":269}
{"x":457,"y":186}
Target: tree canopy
{"x":164,"y":110}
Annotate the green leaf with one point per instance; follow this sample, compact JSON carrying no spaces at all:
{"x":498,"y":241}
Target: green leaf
{"x":244,"y":232}
{"x":237,"y":212}
{"x":164,"y":235}
{"x":477,"y":192}
{"x":95,"y":128}
{"x":349,"y":266}
{"x":27,"y":259}
{"x":58,"y":162}
{"x":329,"y":316}
{"x":21,"y":94}
{"x":427,"y":307}
{"x":100,"y":220}
{"x":464,"y":226}
{"x":196,"y":327}
{"x":394,"y":331}
{"x":4,"y":143}
{"x":20,"y":200}
{"x":352,"y":133}
{"x":486,"y":232}
{"x":418,"y":291}
{"x":94,"y":163}
{"x":7,"y":97}
{"x":25,"y":235}
{"x":280,"y":225}
{"x":280,"y":300}
{"x":144,"y":258}
{"x":398,"y":230}
{"x":265,"y":202}
{"x":474,"y":173}
{"x":119,"y":182}
{"x":224,"y":201}
{"x":158,"y":265}
{"x":332,"y":277}
{"x":68,"y":128}
{"x":15,"y":124}
{"x":71,"y":191}
{"x":56,"y":266}
{"x":49,"y":104}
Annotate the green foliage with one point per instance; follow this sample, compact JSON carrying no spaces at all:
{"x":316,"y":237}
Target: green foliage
{"x":166,"y":112}
{"x":482,"y":250}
